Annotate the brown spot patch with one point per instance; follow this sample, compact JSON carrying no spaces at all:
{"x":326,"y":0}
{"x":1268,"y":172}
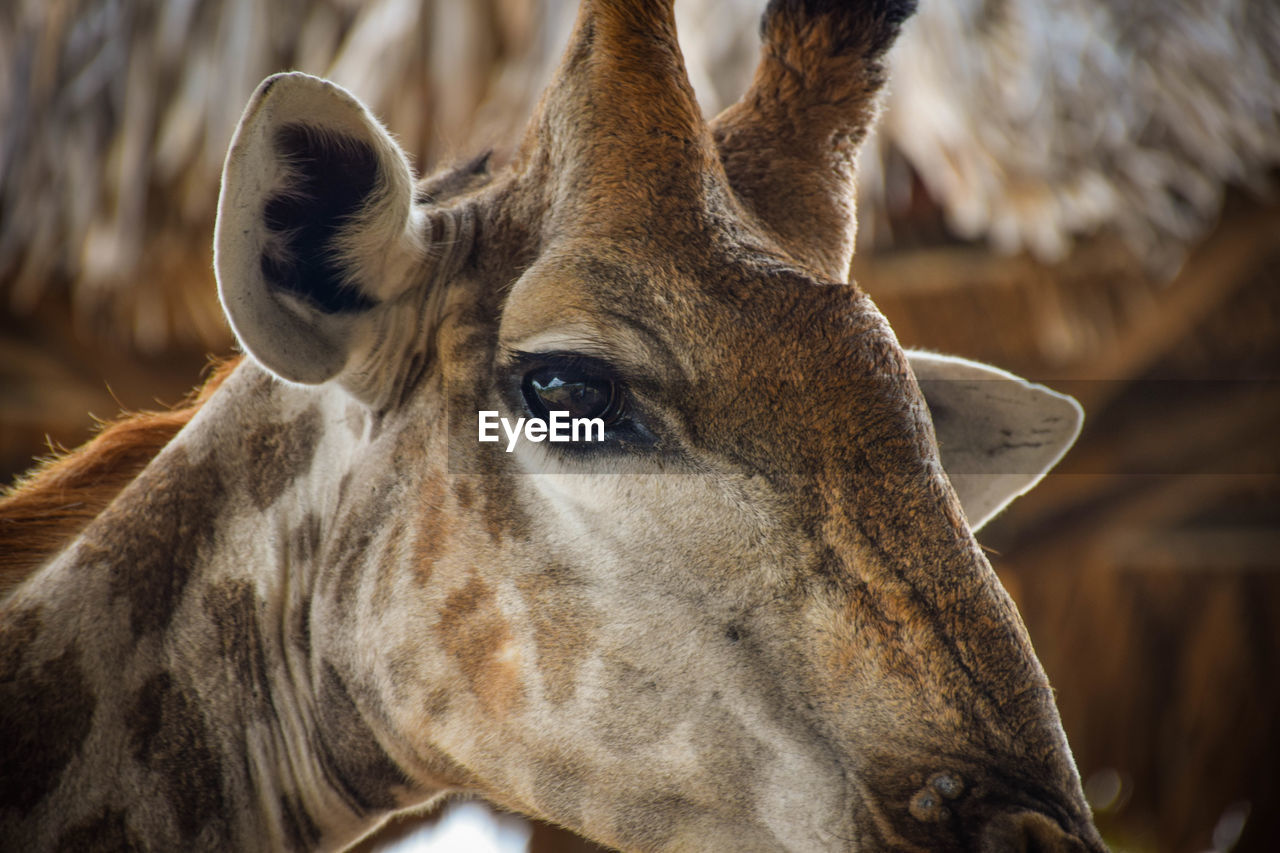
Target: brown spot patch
{"x":300,"y":628}
{"x":387,"y":567}
{"x":562,"y":625}
{"x":503,"y":515}
{"x":351,"y":756}
{"x":474,"y":633}
{"x":106,"y":831}
{"x":169,"y":735}
{"x":279,"y":453}
{"x":154,"y":538}
{"x":347,"y":551}
{"x":462,"y":491}
{"x":45,"y":715}
{"x":434,"y":527}
{"x":232,"y":607}
{"x":305,"y":540}
{"x":349,"y":558}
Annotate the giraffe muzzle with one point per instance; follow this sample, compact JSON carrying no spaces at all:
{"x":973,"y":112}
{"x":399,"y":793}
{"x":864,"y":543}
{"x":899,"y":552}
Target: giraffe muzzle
{"x":1031,"y":832}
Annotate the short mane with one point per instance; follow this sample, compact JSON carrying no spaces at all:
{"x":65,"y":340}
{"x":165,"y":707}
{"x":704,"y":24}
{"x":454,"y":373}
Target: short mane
{"x":55,"y":500}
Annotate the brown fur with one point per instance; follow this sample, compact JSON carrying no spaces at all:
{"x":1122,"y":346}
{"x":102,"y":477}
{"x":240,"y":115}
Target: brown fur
{"x":51,"y":504}
{"x":287,"y":449}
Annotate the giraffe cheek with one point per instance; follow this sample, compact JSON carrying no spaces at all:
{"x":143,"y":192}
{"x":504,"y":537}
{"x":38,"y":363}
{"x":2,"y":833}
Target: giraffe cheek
{"x":475,"y":634}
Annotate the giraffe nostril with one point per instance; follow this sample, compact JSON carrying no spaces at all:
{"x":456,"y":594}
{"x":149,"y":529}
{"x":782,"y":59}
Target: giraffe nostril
{"x":948,"y":785}
{"x":926,"y":806}
{"x":1028,"y":832}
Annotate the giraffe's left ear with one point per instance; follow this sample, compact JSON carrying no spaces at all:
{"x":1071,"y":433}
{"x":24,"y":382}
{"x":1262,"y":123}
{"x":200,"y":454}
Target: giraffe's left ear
{"x":315,"y":232}
{"x":998,"y":434}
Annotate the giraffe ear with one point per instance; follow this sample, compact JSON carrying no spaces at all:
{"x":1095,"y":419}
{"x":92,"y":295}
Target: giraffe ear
{"x":314,"y":233}
{"x":998,"y":434}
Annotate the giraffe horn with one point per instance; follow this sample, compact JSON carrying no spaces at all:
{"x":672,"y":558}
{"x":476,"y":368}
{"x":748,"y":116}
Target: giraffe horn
{"x":620,"y":128}
{"x":789,"y":146}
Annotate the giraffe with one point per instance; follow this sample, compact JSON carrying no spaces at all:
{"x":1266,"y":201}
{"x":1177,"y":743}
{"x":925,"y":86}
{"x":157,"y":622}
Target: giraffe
{"x":754,"y":617}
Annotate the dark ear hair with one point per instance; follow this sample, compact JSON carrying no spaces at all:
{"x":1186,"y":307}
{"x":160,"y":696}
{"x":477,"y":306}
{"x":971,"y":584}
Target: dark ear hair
{"x":315,"y":230}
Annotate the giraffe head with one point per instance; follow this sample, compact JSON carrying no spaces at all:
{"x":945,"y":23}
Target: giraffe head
{"x":753,"y":615}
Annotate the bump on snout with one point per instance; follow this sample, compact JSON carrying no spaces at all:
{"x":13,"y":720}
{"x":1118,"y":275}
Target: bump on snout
{"x":928,"y":805}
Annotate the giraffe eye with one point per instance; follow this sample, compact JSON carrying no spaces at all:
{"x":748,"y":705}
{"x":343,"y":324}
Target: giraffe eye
{"x":585,"y":387}
{"x":580,"y":390}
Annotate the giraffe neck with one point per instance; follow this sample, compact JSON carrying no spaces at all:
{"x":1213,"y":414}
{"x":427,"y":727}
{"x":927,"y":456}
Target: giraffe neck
{"x":213,"y":707}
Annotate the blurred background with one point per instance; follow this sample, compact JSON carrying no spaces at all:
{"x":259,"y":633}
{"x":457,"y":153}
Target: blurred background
{"x":1080,"y":191}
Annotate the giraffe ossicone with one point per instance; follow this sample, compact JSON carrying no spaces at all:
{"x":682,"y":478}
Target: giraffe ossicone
{"x":753,"y":616}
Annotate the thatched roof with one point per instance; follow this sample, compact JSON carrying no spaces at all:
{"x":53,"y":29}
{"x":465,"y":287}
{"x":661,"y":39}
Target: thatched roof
{"x":1030,"y":122}
{"x":1038,"y":121}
